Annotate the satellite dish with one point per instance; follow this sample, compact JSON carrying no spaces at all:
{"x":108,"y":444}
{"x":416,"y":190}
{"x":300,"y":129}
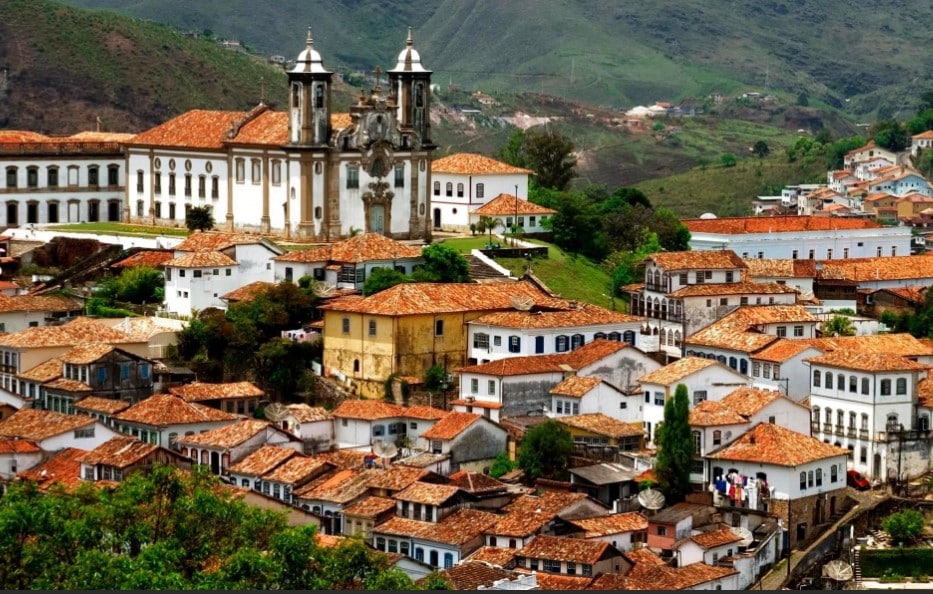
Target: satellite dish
{"x":385,"y":449}
{"x":707,"y":215}
{"x":651,"y":499}
{"x":838,"y":570}
{"x":522,"y":302}
{"x":276,"y":411}
{"x":745,"y":534}
{"x":322,"y":289}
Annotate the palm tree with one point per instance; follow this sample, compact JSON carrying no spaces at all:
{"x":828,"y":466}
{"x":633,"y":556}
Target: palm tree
{"x":487,"y":223}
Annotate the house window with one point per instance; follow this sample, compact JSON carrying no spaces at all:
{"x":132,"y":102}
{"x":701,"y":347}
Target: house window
{"x":93,"y":176}
{"x":437,"y":188}
{"x":900,"y":386}
{"x":885,"y":387}
{"x":782,"y":331}
{"x":756,"y":369}
{"x":794,"y":254}
{"x":215,"y":187}
{"x":863,"y":455}
{"x":699,"y":396}
{"x":798,"y":331}
{"x":202,"y":186}
{"x":353,"y":176}
{"x":276,"y":172}
{"x":864,"y":425}
{"x":571,"y":568}
{"x":491,"y":387}
{"x":157,"y":183}
{"x":474,"y":386}
{"x":829,"y":381}
{"x":853,"y":384}
{"x":188,"y":184}
{"x":803,"y":481}
{"x":729,"y":276}
{"x":372,"y":327}
{"x":809,"y":479}
{"x":865,"y":385}
{"x":256,"y":173}
{"x":171,"y":185}
{"x":32,"y":177}
{"x":346,"y":325}
{"x":480,"y":190}
{"x":53,"y":177}
{"x":840,"y":419}
{"x":531,"y":221}
{"x":449,"y":189}
{"x":496,"y":341}
{"x":560,"y":344}
{"x":717,"y":438}
{"x":439,"y":328}
{"x":480,"y":340}
{"x":696,"y":442}
{"x":576,"y":341}
{"x":515,"y":344}
{"x":833,"y":473}
{"x":811,"y":254}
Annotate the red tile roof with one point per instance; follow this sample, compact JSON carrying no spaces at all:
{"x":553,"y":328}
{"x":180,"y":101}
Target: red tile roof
{"x":554,"y":581}
{"x":297,"y":469}
{"x":309,"y":414}
{"x":213,"y":241}
{"x":38,"y":425}
{"x":365,"y":247}
{"x":737,"y":330}
{"x":603,"y":425}
{"x":368,"y":410}
{"x":162,"y":410}
{"x":341,"y":486}
{"x":780,"y":268}
{"x":528,"y":514}
{"x":202,"y":391}
{"x":698,"y":260}
{"x":875,"y":269}
{"x":248,"y":292}
{"x":716,"y":538}
{"x":193,"y":129}
{"x":451,"y":425}
{"x":873,"y":362}
{"x":47,"y":303}
{"x":152,"y":258}
{"x":426,"y":413}
{"x":775,"y":224}
{"x":782,"y":350}
{"x":575,"y":386}
{"x":749,"y":401}
{"x":475,"y":482}
{"x":86,"y":353}
{"x":201,"y":260}
{"x":573,"y":361}
{"x":262,"y":461}
{"x":583,"y":314}
{"x":902,"y":344}
{"x":768,"y":443}
{"x":508,"y":204}
{"x":428,"y":298}
{"x":370,"y":507}
{"x":100,"y":404}
{"x":456,"y":529}
{"x":558,"y":548}
{"x":711,"y":413}
{"x":427,"y":493}
{"x":473,"y":164}
{"x":497,"y":556}
{"x":473,"y":575}
{"x":678,"y":370}
{"x":44,"y":372}
{"x":68,"y":385}
{"x":396,"y":477}
{"x":14,"y":445}
{"x":228,"y":436}
{"x":601,"y":526}
{"x":63,"y":468}
{"x":75,"y":332}
{"x":743,"y":288}
{"x":121,"y":452}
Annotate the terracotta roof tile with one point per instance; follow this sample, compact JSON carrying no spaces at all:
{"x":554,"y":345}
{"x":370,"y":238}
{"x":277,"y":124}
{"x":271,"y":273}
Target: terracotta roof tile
{"x":309,"y":414}
{"x":14,"y":445}
{"x":554,"y":581}
{"x":68,"y":385}
{"x":297,"y":469}
{"x":214,"y":241}
{"x":925,"y":392}
{"x":228,"y":436}
{"x":247,"y":292}
{"x":749,"y":401}
{"x":193,"y":129}
{"x":475,"y":482}
{"x":902,"y":344}
{"x":341,"y":486}
{"x":473,"y":164}
{"x":601,"y":526}
{"x":100,"y":404}
{"x":120,"y":451}
{"x":575,"y":386}
{"x":558,"y":548}
{"x":780,"y":268}
{"x":678,"y":370}
{"x":17,"y":136}
{"x":162,"y":410}
{"x":364,"y":247}
{"x":44,"y":372}
{"x":396,"y":477}
{"x":497,"y":556}
{"x":266,"y":128}
{"x":63,"y":468}
{"x":782,"y":350}
{"x":736,"y":331}
{"x":508,"y":204}
{"x":201,"y":260}
{"x":698,"y":260}
{"x":472,"y":576}
{"x":451,"y":425}
{"x":775,"y":224}
{"x":456,"y":529}
{"x":202,"y":392}
{"x":48,"y":303}
{"x":866,"y":361}
{"x":716,"y":538}
{"x":768,"y":443}
{"x":874,"y":269}
{"x":528,"y":514}
{"x":344,"y":458}
{"x":428,"y":493}
{"x":477,"y":404}
{"x":75,"y":332}
{"x":370,"y":507}
{"x":653,"y":576}
{"x":711,"y":413}
{"x":427,"y":413}
{"x":575,"y":360}
{"x":262,"y":461}
{"x":37,"y":425}
{"x":582,"y":315}
{"x":151,"y":258}
{"x":425,"y":298}
{"x":86,"y":353}
{"x":743,"y":288}
{"x":368,"y":410}
{"x":603,"y":425}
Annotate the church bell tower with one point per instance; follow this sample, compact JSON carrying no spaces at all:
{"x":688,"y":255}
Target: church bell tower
{"x":309,"y":99}
{"x":410,"y":82}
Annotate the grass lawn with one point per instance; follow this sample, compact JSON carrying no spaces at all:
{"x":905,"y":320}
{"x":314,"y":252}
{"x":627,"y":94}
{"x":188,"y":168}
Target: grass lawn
{"x":467,"y":244}
{"x":119,"y":229}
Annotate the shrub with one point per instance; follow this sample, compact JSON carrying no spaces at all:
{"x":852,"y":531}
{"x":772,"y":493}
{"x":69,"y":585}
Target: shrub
{"x":903,"y":526}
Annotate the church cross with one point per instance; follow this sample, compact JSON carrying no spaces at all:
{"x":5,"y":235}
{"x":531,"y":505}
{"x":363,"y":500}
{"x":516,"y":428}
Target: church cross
{"x":378,"y":72}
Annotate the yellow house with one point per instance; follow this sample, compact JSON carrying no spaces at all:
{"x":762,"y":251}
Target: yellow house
{"x":408,"y":328}
{"x":599,"y":429}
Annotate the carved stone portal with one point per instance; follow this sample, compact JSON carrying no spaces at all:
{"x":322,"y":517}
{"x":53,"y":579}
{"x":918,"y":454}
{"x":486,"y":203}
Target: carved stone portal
{"x":377,"y":205}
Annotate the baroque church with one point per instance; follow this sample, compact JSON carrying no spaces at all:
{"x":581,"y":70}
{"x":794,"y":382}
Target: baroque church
{"x":307,"y":173}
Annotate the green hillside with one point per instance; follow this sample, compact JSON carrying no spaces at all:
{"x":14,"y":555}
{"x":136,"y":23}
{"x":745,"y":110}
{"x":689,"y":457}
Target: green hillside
{"x":864,"y":57}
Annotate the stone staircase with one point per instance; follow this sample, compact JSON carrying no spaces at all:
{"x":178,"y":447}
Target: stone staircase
{"x":857,"y":568}
{"x":481,"y":272}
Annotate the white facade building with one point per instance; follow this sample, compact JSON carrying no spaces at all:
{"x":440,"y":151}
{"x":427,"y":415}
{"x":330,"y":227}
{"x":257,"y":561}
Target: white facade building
{"x":463,"y":182}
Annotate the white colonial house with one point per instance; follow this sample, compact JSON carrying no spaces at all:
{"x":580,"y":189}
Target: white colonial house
{"x":796,"y":274}
{"x":348,"y":263}
{"x":509,"y":209}
{"x":208,"y":265}
{"x":68,"y":179}
{"x":581,"y":395}
{"x":900,"y":184}
{"x":869,"y":151}
{"x":163,"y":418}
{"x":866,"y":168}
{"x":463,"y":182}
{"x":306,"y":171}
{"x":771,"y":468}
{"x":782,"y":366}
{"x":705,"y":379}
{"x":522,"y":333}
{"x":53,"y":431}
{"x":798,"y":237}
{"x":867,"y":403}
{"x":921,"y":142}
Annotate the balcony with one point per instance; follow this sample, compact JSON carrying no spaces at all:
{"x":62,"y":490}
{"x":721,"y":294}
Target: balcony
{"x":814,"y":426}
{"x":827,"y":427}
{"x":840,"y":431}
{"x":657,"y":288}
{"x":851,"y":432}
{"x":864,"y":434}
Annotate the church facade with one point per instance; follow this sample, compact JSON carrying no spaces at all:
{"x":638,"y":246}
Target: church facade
{"x":304,"y":173}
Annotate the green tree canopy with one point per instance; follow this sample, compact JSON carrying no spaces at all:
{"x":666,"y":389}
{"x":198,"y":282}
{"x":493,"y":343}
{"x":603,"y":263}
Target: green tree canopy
{"x":550,"y":155}
{"x":381,"y":279}
{"x":838,"y":326}
{"x":137,"y":284}
{"x":727,"y":160}
{"x":761,"y":149}
{"x":545,"y":451}
{"x":442,"y":264}
{"x":675,"y":447}
{"x":199,"y":218}
{"x":904,"y":526}
{"x":890,"y":134}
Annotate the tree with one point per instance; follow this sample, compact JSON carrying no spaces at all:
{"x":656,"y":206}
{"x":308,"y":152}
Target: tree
{"x":381,"y":279}
{"x":283,"y":367}
{"x":199,"y":218}
{"x":442,"y":264}
{"x":761,"y":149}
{"x":137,"y":284}
{"x":435,"y":378}
{"x":890,"y":134}
{"x":501,"y":465}
{"x":488,"y":223}
{"x":904,"y":526}
{"x":803,"y":100}
{"x":675,"y":447}
{"x":545,"y":451}
{"x":727,"y":160}
{"x":513,"y":152}
{"x":838,"y":326}
{"x":550,"y":155}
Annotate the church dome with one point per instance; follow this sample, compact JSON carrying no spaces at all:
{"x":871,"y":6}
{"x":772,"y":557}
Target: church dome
{"x":309,"y":60}
{"x":409,"y":60}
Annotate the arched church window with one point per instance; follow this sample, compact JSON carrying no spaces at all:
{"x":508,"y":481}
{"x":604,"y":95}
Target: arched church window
{"x":419,"y":95}
{"x":319,"y":96}
{"x":296,"y":95}
{"x":437,"y":188}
